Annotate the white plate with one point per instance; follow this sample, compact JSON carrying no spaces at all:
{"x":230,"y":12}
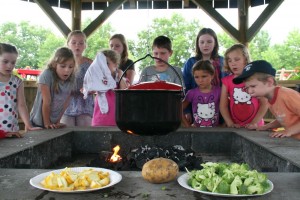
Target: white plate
{"x":183,"y":179}
{"x":115,"y":178}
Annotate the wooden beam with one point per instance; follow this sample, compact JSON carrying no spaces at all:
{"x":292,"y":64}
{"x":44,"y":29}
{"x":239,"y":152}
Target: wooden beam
{"x":263,"y":18}
{"x":132,"y":4}
{"x":90,"y":1}
{"x":113,"y":6}
{"x":218,"y":18}
{"x":243,"y":20}
{"x":76,"y":14}
{"x":46,"y":7}
{"x":186,"y":3}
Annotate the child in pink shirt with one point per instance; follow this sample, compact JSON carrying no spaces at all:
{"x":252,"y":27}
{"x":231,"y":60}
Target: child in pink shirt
{"x":284,"y":103}
{"x":237,"y":107}
{"x":101,"y":77}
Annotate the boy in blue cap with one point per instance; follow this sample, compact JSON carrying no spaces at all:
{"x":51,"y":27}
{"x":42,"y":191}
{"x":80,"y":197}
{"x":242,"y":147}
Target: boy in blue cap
{"x":284,"y":103}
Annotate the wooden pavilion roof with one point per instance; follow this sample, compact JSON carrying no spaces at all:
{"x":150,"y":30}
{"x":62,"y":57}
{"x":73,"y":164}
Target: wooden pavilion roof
{"x":243,"y":33}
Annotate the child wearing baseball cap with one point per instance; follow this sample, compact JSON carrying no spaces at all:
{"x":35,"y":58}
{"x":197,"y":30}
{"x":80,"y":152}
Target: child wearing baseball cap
{"x":284,"y":103}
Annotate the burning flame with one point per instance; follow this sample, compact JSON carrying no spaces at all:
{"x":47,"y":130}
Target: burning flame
{"x":115,"y":157}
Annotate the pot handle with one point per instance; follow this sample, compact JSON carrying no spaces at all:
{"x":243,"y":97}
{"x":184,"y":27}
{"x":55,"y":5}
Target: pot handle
{"x":148,"y":55}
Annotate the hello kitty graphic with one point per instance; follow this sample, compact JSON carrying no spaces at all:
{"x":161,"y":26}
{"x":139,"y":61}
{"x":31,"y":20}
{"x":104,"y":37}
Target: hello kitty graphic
{"x":240,"y":95}
{"x":243,"y":108}
{"x":206,"y":115}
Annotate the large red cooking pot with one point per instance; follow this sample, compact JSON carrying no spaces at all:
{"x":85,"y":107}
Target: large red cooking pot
{"x":149,"y":108}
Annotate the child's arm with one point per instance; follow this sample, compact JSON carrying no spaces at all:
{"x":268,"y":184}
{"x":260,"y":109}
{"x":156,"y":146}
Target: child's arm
{"x":46,"y":96}
{"x":22,"y":108}
{"x":65,"y":106}
{"x":269,"y":126}
{"x":292,"y":104}
{"x":263,"y":108}
{"x":185,"y":122}
{"x":123,"y":83}
{"x":130,"y":75}
{"x":224,"y":108}
{"x":287,"y":132}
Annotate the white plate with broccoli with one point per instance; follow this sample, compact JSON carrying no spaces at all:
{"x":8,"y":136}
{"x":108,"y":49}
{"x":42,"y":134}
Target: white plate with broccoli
{"x":226,"y":180}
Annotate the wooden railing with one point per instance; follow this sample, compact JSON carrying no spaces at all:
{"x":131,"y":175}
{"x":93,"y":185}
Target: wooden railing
{"x":285,"y":74}
{"x":30,"y":89}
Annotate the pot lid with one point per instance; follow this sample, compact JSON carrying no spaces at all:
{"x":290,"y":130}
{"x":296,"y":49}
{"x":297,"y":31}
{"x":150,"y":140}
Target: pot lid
{"x":156,"y":85}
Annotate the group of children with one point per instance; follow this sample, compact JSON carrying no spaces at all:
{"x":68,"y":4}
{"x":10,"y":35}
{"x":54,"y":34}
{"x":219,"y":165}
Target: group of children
{"x":60,"y":99}
{"x":77,"y":91}
{"x":239,"y":92}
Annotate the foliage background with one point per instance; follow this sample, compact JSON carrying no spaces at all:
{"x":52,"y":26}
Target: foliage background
{"x":37,"y":44}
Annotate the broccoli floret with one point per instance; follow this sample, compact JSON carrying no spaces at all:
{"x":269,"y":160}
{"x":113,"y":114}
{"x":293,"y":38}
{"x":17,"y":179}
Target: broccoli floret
{"x":255,"y":189}
{"x":200,"y":175}
{"x":208,"y":172}
{"x":209,"y":165}
{"x":245,"y":167}
{"x":223,"y":187}
{"x":243,"y":189}
{"x":261,"y":177}
{"x":265,"y":185}
{"x":233,"y":189}
{"x":234,"y":166}
{"x":228,"y":176}
{"x":209,"y":184}
{"x":195,"y":184}
{"x":248,"y":181}
{"x":189,"y":182}
{"x":220,"y":168}
{"x":216,"y":180}
{"x":237,"y":182}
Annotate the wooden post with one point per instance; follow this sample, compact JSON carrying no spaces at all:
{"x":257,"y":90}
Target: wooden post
{"x":243,"y":20}
{"x":76,"y":14}
{"x":30,"y":89}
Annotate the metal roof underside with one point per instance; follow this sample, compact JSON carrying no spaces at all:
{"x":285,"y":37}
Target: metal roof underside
{"x":242,"y":34}
{"x":151,"y":4}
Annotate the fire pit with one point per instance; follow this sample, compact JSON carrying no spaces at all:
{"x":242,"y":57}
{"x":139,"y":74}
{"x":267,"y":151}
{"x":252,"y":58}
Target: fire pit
{"x":65,"y":147}
{"x":137,"y":157}
{"x":40,"y":150}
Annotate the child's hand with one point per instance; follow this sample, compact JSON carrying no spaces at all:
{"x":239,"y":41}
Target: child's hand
{"x":55,"y":126}
{"x":233,"y":125}
{"x":30,"y":128}
{"x":60,"y":125}
{"x":14,"y":134}
{"x":251,"y":126}
{"x":280,"y":134}
{"x":188,"y":118}
{"x":236,"y":126}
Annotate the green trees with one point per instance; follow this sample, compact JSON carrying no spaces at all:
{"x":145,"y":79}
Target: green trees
{"x":98,"y":40}
{"x":285,"y":55}
{"x":37,"y":44}
{"x":181,"y":33}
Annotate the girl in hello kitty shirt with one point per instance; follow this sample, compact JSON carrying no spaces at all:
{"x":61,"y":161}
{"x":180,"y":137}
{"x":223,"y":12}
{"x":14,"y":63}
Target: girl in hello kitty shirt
{"x":237,"y":107}
{"x":205,"y":98}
